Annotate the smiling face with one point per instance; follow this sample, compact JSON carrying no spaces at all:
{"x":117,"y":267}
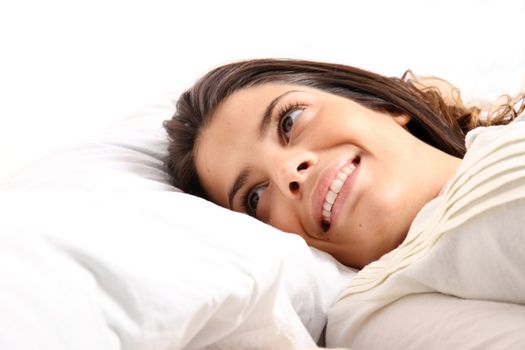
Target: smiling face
{"x":349,"y":180}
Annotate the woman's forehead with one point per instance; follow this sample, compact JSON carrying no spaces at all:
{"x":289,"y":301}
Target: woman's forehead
{"x":256,"y":91}
{"x":262,"y":91}
{"x":243,"y":110}
{"x":225,"y":143}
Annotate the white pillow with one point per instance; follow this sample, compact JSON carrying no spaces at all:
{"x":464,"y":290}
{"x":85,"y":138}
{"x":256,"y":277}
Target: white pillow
{"x":112,"y":256}
{"x":125,"y":157}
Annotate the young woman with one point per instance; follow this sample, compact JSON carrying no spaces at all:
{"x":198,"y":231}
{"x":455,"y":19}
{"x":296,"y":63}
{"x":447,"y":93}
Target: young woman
{"x":344,"y":157}
{"x":380,"y":173}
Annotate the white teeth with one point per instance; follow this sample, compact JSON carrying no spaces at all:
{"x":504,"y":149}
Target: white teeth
{"x":337,"y":184}
{"x":327,"y":206}
{"x":348,"y":169}
{"x":342,"y":177}
{"x":330,"y":197}
{"x":332,"y":193}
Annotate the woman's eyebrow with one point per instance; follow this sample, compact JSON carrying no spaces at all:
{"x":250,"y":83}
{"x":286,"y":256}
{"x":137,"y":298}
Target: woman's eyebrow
{"x":267,"y":115}
{"x":240,"y":180}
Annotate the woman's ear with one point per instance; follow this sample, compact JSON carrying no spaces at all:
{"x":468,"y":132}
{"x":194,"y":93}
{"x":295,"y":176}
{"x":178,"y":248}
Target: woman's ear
{"x":402,"y":119}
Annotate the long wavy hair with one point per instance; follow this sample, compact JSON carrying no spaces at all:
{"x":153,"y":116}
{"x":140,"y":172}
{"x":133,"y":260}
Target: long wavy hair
{"x":438,"y":116}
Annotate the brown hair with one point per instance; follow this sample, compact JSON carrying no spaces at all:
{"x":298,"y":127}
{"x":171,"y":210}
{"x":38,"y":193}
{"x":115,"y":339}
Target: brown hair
{"x":441,"y":121}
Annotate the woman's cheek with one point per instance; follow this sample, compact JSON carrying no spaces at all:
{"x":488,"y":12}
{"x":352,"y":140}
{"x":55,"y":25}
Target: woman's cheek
{"x":283,"y":218}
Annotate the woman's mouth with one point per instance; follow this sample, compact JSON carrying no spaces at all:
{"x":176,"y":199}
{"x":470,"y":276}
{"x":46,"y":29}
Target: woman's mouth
{"x":333,"y":191}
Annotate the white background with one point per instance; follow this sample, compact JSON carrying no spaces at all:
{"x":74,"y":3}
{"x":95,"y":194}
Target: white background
{"x":70,"y":68}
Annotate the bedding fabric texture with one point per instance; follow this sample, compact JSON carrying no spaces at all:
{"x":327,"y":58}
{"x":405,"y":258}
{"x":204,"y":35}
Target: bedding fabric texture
{"x":458,"y":279}
{"x":99,"y":251}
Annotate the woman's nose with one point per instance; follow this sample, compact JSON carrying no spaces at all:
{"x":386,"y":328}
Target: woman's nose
{"x":292,"y":173}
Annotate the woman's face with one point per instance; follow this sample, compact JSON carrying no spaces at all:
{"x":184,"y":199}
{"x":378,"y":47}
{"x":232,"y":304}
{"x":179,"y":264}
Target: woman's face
{"x":349,"y":180}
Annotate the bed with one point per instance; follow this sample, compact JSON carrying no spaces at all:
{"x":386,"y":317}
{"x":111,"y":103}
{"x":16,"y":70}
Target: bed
{"x":99,"y":251}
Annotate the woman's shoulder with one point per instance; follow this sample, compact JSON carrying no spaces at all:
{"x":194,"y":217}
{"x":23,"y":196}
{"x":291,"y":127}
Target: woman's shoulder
{"x":495,"y":157}
{"x":486,"y":134}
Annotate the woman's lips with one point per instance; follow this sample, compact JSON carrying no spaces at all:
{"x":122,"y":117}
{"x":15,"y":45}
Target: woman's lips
{"x":344,"y":193}
{"x":322,"y":193}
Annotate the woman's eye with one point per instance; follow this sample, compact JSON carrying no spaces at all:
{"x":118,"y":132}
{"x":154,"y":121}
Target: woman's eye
{"x":287,"y":122}
{"x":252,"y":200}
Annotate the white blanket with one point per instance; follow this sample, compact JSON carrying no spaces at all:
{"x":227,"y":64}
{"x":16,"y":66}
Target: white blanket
{"x":458,"y":280}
